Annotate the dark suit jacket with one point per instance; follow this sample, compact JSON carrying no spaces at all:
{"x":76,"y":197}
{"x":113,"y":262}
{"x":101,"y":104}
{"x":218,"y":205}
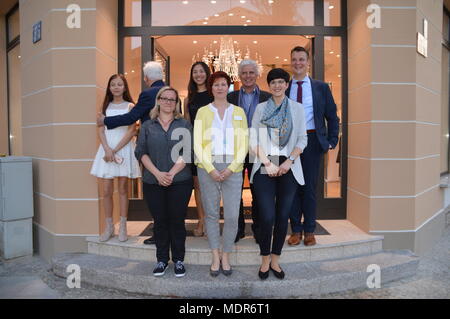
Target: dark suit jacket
{"x":141,"y":111}
{"x":324,"y":109}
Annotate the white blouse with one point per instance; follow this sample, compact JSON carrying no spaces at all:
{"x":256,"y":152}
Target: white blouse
{"x":222,"y":132}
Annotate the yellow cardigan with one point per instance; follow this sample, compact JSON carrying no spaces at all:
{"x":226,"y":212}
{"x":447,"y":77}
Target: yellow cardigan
{"x":202,"y":139}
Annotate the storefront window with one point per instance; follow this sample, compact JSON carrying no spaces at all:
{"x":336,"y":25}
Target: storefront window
{"x":233,"y":12}
{"x":13,"y":26}
{"x":332,"y":13}
{"x":133,"y":13}
{"x":133,"y":65}
{"x":333,"y":76}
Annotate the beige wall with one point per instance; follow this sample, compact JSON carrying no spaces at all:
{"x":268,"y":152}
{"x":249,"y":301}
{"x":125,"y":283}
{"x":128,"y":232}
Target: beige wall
{"x":59,"y":105}
{"x":394,"y":118}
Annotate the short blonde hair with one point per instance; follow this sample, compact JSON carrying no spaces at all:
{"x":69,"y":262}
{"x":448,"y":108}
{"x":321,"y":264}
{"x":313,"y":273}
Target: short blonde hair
{"x":154,"y":113}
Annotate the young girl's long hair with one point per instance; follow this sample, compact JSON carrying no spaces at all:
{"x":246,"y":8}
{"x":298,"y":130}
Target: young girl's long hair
{"x":192,"y":87}
{"x":109,"y":97}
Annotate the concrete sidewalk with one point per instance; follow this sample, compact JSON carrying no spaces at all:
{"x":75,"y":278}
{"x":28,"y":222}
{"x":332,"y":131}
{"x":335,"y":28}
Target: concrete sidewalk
{"x":31,"y":277}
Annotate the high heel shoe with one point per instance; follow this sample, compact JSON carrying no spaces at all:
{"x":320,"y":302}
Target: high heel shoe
{"x":215,"y":273}
{"x":263,"y":275}
{"x":278,"y":274}
{"x":226,"y":272}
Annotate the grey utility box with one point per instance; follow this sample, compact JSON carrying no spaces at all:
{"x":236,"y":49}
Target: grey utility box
{"x":16,"y":207}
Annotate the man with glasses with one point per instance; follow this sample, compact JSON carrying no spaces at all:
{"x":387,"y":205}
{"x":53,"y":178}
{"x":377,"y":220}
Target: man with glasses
{"x":153,"y":78}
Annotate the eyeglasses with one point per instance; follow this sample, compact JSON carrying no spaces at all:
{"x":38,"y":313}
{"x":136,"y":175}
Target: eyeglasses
{"x":164,"y":99}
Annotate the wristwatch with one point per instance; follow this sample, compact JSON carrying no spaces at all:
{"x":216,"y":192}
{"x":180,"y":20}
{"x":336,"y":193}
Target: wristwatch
{"x":292,"y":158}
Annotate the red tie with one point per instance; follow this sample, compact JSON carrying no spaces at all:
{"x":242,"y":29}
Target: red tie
{"x":300,"y":91}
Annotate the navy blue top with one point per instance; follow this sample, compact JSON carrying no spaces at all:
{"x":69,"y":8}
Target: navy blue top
{"x":141,"y":111}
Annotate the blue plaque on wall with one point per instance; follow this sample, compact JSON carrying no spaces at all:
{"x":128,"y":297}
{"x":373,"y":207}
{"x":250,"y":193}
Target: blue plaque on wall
{"x":37,"y":28}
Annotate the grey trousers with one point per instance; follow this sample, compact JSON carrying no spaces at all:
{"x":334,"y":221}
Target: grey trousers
{"x":212,"y":192}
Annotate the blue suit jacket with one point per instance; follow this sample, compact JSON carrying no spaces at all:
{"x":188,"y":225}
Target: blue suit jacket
{"x":141,"y":111}
{"x":324,"y":109}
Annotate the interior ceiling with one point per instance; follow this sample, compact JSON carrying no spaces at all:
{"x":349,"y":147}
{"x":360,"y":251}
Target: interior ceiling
{"x":268,"y":46}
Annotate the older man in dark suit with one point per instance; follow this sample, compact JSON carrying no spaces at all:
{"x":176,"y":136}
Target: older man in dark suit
{"x":319,"y":107}
{"x":153,"y":78}
{"x":248,"y":97}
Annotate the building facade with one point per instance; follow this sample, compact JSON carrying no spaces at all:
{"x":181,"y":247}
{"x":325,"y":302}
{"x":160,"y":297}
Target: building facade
{"x":387,"y":176}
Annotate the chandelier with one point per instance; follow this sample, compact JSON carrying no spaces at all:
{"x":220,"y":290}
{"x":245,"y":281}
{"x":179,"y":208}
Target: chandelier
{"x":227,"y":59}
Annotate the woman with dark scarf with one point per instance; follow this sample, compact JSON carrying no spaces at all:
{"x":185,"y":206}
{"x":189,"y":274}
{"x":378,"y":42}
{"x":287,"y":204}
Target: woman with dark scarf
{"x":277,"y":138}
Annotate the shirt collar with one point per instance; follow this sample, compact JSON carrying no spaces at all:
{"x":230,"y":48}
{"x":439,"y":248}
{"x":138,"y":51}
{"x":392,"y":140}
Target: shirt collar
{"x":305,"y":80}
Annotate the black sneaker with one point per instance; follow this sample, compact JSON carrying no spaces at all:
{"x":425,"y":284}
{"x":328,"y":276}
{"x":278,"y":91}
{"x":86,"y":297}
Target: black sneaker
{"x":180,"y":271}
{"x":160,"y":269}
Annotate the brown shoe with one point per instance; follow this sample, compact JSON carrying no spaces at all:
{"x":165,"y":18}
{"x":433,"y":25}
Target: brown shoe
{"x":310,"y":240}
{"x":295,"y":239}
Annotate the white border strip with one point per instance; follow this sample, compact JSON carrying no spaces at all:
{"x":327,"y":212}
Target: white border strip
{"x":394,"y":159}
{"x":86,"y":86}
{"x":394,"y":122}
{"x":63,"y":160}
{"x":68,"y":199}
{"x":409,"y":231}
{"x":58,"y":124}
{"x":393,"y":197}
{"x":63,"y":235}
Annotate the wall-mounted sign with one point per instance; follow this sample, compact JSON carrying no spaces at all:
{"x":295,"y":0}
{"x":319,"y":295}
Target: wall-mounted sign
{"x":37,"y":31}
{"x":422,"y":40}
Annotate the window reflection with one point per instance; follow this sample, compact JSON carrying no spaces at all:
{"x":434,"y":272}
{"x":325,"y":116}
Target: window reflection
{"x":332,"y":13}
{"x":233,"y":12}
{"x":133,"y":13}
{"x":333,"y":76}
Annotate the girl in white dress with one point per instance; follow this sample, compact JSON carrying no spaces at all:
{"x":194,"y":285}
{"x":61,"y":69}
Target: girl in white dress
{"x":115,"y":156}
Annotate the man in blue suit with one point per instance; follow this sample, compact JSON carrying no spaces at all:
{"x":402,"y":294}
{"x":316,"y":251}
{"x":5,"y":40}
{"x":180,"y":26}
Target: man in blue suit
{"x":319,"y":107}
{"x":153,"y":78}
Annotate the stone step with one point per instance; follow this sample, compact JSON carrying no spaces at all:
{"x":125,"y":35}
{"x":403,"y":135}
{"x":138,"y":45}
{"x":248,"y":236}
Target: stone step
{"x":302,"y":279}
{"x":246,"y":251}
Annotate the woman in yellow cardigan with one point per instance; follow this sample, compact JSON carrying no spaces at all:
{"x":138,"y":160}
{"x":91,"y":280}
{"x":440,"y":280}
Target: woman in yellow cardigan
{"x":220,"y":145}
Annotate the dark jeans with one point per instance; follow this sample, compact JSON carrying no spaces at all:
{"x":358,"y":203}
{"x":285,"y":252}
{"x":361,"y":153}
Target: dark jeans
{"x":168,"y":205}
{"x":241,"y":225}
{"x":274,"y":196}
{"x":305,"y":200}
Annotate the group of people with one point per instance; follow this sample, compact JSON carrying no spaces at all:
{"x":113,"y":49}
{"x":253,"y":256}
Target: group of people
{"x":277,"y":137}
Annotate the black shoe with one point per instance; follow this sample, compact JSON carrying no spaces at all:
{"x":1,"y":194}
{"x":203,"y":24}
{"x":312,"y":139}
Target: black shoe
{"x":279,"y":275}
{"x":160,"y":269}
{"x":150,"y":241}
{"x":239,"y":236}
{"x":227,"y":272}
{"x":263,"y":275}
{"x":180,"y":271}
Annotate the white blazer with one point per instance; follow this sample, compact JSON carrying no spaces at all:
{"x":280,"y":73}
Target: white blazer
{"x":299,"y":138}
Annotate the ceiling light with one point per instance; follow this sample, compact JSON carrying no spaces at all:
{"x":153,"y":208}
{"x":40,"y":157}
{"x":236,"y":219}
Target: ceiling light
{"x":215,"y":42}
{"x":195,"y":41}
{"x":231,"y":14}
{"x":185,"y":2}
{"x":216,"y":15}
{"x":255,"y":42}
{"x":270,"y":1}
{"x":242,"y":1}
{"x":331,"y":52}
{"x":277,"y":57}
{"x":213,"y":2}
{"x":331,"y":7}
{"x":248,"y":21}
{"x":243,"y":17}
{"x":205,"y":22}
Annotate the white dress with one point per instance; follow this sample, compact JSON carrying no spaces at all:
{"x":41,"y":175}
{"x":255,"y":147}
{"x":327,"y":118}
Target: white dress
{"x":130,"y":166}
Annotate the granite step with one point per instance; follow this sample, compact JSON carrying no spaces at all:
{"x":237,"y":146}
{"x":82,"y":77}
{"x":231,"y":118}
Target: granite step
{"x":302,"y":279}
{"x":246,"y":252}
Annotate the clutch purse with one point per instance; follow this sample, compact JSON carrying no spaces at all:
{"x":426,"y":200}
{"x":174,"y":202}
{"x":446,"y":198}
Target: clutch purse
{"x":118,"y":159}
